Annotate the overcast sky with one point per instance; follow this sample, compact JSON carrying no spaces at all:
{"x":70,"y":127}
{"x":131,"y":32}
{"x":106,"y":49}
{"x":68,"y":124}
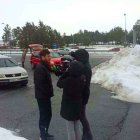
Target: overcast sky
{"x":70,"y":16}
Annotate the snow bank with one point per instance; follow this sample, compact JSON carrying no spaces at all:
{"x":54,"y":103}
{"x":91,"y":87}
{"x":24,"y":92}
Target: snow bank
{"x":121,"y":75}
{"x":9,"y":135}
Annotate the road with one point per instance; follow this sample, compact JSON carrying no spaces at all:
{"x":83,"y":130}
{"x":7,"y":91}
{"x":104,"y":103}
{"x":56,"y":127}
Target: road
{"x":110,"y":119}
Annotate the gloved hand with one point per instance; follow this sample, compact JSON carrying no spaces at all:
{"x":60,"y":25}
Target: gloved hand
{"x":54,"y":68}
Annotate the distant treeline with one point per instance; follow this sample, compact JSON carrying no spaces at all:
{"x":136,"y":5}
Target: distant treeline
{"x":45,"y":35}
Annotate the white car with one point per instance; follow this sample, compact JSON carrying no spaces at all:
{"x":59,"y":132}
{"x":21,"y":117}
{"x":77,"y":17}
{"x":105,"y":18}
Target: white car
{"x":63,"y":51}
{"x":11,"y":72}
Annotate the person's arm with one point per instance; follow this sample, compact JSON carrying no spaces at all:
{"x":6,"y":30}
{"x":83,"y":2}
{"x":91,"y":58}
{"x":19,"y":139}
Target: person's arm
{"x":62,"y":80}
{"x":86,"y":92}
{"x":38,"y":75}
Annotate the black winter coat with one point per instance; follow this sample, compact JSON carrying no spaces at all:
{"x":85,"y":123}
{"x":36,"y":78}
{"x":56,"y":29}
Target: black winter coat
{"x":82,"y":56}
{"x":88,"y":74}
{"x":72,"y":94}
{"x":43,"y":81}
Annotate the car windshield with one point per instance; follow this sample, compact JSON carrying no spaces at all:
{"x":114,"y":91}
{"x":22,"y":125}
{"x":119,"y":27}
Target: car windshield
{"x":7,"y":62}
{"x":54,"y":55}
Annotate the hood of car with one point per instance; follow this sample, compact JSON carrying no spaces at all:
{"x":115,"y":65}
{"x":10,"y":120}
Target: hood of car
{"x":12,"y":70}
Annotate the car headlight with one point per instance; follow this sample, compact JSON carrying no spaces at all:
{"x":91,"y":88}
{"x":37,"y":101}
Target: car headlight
{"x":24,"y":74}
{"x":2,"y":76}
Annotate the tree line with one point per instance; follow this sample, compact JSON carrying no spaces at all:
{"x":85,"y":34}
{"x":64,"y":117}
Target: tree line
{"x":46,"y":35}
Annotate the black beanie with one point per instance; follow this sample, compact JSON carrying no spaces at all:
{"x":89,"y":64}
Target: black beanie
{"x":81,"y":55}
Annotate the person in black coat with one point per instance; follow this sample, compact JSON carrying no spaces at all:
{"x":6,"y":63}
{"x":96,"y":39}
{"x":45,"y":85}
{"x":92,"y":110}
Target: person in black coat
{"x":43,"y":93}
{"x":82,"y":56}
{"x":72,"y":82}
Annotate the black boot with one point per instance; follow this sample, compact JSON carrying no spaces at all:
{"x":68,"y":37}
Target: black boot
{"x":43,"y":135}
{"x":50,"y":136}
{"x":87,"y":136}
{"x":83,"y":137}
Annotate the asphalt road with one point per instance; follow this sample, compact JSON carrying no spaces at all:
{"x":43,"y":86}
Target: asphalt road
{"x":110,"y":119}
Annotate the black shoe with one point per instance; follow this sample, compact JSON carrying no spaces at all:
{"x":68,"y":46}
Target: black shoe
{"x":83,"y":138}
{"x":47,"y":137}
{"x":50,"y":136}
{"x":87,"y":137}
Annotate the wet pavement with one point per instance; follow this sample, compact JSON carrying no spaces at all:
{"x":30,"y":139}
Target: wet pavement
{"x":110,"y":119}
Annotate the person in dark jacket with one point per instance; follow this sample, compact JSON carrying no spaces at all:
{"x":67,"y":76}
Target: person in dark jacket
{"x":23,"y":57}
{"x":43,"y":93}
{"x":72,"y":82}
{"x":82,"y":56}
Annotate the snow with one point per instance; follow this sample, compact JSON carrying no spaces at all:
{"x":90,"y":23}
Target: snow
{"x":9,"y":135}
{"x":121,"y":75}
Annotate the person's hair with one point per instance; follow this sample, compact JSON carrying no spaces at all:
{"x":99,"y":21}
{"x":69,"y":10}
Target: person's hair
{"x":44,"y":52}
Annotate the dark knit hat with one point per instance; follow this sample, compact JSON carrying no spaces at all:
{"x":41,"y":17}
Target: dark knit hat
{"x":81,"y":55}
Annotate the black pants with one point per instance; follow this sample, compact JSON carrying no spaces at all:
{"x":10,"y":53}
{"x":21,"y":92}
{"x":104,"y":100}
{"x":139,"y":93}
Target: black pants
{"x":45,"y":112}
{"x":86,"y":127}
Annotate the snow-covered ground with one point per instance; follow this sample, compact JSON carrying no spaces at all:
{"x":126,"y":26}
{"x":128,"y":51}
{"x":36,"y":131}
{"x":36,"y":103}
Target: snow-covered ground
{"x":9,"y":135}
{"x":121,"y":75}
